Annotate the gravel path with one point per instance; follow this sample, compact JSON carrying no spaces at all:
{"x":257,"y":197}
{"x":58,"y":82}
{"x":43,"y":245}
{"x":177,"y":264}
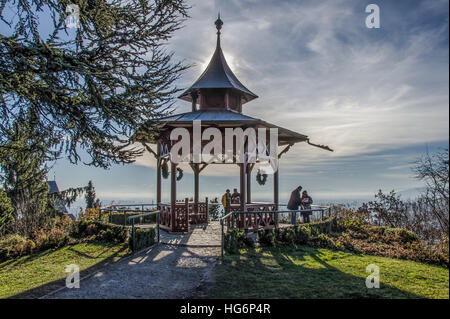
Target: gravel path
{"x":179,"y":267}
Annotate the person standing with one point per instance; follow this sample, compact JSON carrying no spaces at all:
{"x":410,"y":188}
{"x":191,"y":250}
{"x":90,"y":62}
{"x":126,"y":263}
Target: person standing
{"x":305,"y":204}
{"x":294,"y":203}
{"x":235,"y":197}
{"x":226,"y":201}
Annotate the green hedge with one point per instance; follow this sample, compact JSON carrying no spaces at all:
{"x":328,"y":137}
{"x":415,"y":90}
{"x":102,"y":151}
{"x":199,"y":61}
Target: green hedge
{"x":293,"y":235}
{"x":122,"y":218}
{"x":235,"y":240}
{"x":297,"y":235}
{"x":15,"y":245}
{"x":100,"y":231}
{"x":143,"y":238}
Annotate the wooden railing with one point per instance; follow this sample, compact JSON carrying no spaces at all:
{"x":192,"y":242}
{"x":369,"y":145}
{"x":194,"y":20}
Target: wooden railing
{"x":257,"y":215}
{"x":185,"y":213}
{"x":262,"y":215}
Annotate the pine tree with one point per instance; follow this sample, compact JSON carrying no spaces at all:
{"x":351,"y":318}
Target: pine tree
{"x":95,"y":84}
{"x":23,"y":171}
{"x":6,"y":212}
{"x":90,"y":196}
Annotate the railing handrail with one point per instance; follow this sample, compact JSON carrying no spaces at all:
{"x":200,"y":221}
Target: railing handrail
{"x":281,"y":211}
{"x":276,"y":212}
{"x":126,"y":205}
{"x":321,"y":208}
{"x":223,"y":217}
{"x":313,"y":205}
{"x":133,"y":232}
{"x":143,"y":215}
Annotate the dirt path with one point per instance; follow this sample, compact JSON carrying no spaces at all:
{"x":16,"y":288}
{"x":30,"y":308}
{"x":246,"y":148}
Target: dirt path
{"x":179,"y":267}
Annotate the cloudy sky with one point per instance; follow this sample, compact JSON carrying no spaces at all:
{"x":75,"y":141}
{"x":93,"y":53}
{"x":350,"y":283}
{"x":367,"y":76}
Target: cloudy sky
{"x":378,"y":97}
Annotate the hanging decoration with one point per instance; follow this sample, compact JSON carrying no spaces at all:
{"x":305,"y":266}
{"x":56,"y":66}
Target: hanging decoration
{"x":164,"y":168}
{"x":261,"y":178}
{"x":180,"y":173}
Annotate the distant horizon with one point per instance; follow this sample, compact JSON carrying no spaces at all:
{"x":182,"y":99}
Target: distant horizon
{"x":351,"y":202}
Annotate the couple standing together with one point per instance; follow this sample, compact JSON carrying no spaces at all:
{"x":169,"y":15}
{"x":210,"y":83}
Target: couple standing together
{"x":228,"y":199}
{"x":304,"y":202}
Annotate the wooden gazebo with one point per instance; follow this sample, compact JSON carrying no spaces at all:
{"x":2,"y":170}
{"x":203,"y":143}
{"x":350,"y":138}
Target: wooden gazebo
{"x":217,"y":98}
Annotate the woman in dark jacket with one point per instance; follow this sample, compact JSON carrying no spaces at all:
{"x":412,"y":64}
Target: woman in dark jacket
{"x":305,"y":203}
{"x":294,"y":202}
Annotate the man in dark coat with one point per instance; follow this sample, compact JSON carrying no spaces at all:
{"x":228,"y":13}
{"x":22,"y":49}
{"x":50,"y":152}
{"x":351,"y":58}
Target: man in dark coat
{"x":294,"y":202}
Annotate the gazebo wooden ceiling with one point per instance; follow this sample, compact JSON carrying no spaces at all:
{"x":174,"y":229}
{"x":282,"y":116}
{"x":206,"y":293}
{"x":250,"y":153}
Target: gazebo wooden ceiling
{"x":217,"y":98}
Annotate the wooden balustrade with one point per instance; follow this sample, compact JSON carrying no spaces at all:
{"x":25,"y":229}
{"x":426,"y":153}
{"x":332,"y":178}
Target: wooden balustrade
{"x":252,"y":222}
{"x":185,"y":213}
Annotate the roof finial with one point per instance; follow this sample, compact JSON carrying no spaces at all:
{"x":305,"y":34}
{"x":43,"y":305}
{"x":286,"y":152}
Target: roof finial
{"x":218,"y":24}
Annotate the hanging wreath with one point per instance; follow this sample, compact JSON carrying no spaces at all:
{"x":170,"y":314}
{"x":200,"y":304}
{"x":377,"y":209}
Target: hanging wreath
{"x":180,"y":173}
{"x":261,"y":178}
{"x":164,"y":169}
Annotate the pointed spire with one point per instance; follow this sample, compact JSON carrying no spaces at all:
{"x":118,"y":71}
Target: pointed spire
{"x":218,"y":75}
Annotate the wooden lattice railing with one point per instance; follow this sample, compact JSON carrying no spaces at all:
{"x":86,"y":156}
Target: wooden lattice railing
{"x":185,"y":213}
{"x":257,"y":215}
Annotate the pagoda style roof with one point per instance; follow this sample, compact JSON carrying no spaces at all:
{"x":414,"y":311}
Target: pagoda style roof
{"x":228,"y":118}
{"x":215,"y":109}
{"x":218,"y":75}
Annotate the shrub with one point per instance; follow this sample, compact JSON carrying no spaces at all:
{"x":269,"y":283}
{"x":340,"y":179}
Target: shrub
{"x":99,"y":231}
{"x":325,"y":226}
{"x":287,"y":236}
{"x":14,"y":246}
{"x":91,"y":214}
{"x":56,"y":237}
{"x":322,"y":241}
{"x":235,"y":240}
{"x":401,"y":235}
{"x":112,"y":233}
{"x":267,"y":237}
{"x":302,"y":234}
{"x":121,"y":218}
{"x":118,"y":218}
{"x":143,"y":238}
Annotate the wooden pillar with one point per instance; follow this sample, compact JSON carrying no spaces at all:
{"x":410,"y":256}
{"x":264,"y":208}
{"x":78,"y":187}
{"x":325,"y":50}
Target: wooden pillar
{"x":249,"y":183}
{"x":194,"y":96}
{"x":186,"y":216}
{"x":243,"y":176}
{"x":275,"y":194}
{"x":275,"y":189}
{"x":196,"y":186}
{"x":158,"y":175}
{"x":207,"y":209}
{"x":242,"y":185}
{"x":173,"y":192}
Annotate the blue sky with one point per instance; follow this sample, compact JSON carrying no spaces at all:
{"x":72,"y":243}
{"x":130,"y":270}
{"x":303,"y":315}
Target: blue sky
{"x":379,"y":97}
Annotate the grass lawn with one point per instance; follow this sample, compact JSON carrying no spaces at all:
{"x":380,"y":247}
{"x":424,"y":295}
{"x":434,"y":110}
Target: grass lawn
{"x":322,"y":273}
{"x":40,"y":273}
